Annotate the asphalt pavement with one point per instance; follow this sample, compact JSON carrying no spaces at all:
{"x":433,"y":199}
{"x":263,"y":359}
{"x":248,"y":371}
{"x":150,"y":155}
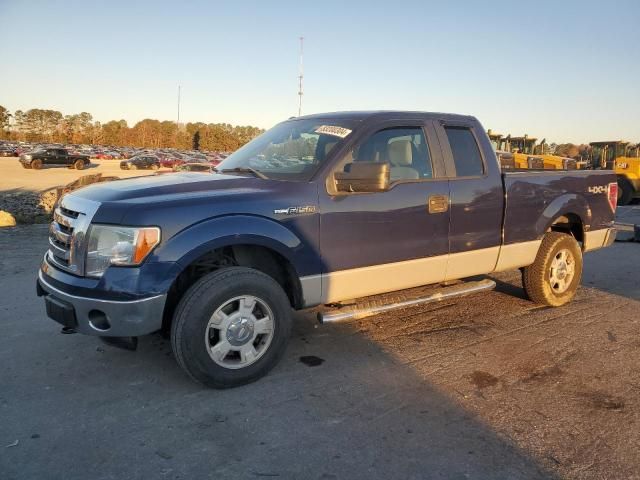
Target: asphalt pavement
{"x":487,"y":387}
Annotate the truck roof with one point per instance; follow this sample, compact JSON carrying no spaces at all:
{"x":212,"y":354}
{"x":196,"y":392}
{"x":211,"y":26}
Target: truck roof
{"x":360,"y":115}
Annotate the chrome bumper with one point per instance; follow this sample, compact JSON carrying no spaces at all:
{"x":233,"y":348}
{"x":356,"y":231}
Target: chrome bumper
{"x":105,"y":318}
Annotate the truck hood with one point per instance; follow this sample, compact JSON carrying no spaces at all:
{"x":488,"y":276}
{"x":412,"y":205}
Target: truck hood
{"x":163,"y":188}
{"x":176,"y":201}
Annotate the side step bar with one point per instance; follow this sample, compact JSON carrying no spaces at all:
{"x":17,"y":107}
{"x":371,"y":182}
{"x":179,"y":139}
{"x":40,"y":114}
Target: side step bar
{"x":369,"y":309}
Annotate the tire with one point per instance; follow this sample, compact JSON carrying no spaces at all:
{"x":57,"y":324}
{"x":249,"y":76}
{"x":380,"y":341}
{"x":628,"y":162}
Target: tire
{"x":626,"y":191}
{"x":552,"y":280}
{"x":79,"y":165}
{"x":36,"y":164}
{"x":154,"y":166}
{"x":196,"y":342}
{"x":133,"y":166}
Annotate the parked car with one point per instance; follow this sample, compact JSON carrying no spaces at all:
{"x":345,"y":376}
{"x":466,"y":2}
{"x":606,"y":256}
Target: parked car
{"x":53,"y":156}
{"x":170,"y":160}
{"x":141,"y":162}
{"x":194,"y":167}
{"x":7,"y":152}
{"x":395,"y":199}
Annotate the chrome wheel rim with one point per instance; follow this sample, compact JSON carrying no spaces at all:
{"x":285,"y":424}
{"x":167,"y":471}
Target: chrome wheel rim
{"x":563,"y":267}
{"x":239,"y":332}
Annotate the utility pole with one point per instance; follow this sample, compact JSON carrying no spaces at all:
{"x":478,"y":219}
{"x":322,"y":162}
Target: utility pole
{"x":178,"y":120}
{"x":300,"y":77}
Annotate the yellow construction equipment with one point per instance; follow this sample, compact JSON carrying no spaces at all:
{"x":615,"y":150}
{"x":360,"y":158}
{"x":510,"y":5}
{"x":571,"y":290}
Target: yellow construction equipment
{"x":505,"y":157}
{"x":624,"y":159}
{"x":531,"y":152}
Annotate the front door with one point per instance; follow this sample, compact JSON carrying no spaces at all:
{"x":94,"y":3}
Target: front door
{"x":385,"y":241}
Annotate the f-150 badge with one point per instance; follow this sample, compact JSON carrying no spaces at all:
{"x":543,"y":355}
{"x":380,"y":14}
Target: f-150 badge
{"x":295,"y":210}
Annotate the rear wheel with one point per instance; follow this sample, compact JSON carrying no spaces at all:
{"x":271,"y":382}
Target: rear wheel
{"x":554,"y":277}
{"x":231,"y":327}
{"x":79,"y":165}
{"x":133,"y":166}
{"x":154,"y":166}
{"x":625,"y":191}
{"x":36,"y":164}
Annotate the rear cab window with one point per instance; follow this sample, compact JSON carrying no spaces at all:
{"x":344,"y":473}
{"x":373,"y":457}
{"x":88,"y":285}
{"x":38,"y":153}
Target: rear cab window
{"x":466,"y":152}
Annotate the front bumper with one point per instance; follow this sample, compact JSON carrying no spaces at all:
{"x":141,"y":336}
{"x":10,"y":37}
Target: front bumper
{"x":106,"y":318}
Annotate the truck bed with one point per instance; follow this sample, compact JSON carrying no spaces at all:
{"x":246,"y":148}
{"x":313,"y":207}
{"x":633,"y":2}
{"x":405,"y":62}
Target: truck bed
{"x":529,"y":195}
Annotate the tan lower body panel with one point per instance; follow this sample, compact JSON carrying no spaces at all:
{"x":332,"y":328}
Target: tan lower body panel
{"x":595,"y":239}
{"x":517,"y":255}
{"x":389,"y":277}
{"x":473,"y":262}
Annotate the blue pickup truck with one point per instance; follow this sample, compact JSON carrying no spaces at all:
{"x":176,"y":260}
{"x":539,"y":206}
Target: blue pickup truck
{"x":318,"y":210}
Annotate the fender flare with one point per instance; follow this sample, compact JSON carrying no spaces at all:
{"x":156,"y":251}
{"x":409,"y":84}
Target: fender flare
{"x":196,"y":240}
{"x":567,"y":204}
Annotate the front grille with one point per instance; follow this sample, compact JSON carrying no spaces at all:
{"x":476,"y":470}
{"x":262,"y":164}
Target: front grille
{"x":61,"y":237}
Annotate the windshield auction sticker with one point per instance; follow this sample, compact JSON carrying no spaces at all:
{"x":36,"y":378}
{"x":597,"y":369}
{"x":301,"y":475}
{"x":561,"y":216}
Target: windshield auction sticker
{"x":332,"y":130}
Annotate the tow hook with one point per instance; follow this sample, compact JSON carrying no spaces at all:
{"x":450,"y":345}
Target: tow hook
{"x":126,"y":343}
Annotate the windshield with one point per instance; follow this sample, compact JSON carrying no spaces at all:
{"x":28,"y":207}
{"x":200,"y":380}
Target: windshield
{"x":291,"y":150}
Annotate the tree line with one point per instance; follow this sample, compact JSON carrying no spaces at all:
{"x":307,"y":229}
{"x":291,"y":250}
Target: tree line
{"x":41,"y":125}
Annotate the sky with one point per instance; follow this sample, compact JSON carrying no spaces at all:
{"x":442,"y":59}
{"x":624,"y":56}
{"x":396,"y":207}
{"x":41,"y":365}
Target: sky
{"x":567,"y":71}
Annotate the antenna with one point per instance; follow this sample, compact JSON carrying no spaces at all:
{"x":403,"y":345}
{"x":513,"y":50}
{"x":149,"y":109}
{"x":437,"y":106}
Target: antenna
{"x":300,"y":77}
{"x":178,"y":120}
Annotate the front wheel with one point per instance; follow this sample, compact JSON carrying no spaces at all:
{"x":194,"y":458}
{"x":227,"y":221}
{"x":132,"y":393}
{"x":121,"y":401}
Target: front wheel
{"x":231,"y":327}
{"x":554,"y":277}
{"x":79,"y":165}
{"x":36,"y":164}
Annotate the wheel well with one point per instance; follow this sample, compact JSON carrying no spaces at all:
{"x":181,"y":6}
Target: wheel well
{"x":571,"y":224}
{"x":258,"y":257}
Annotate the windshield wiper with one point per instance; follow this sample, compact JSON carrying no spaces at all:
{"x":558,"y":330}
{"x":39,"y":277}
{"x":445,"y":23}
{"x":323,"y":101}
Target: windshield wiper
{"x":250,"y":170}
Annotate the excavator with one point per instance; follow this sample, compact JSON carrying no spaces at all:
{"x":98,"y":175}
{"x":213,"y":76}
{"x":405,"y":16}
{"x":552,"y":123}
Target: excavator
{"x":623,"y":158}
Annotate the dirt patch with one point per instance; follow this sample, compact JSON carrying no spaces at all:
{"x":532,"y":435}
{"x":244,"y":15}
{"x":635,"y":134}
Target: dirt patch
{"x":603,"y":400}
{"x":483,"y":379}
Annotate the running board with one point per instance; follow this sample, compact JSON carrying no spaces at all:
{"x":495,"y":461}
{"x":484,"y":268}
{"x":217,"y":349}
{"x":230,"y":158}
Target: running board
{"x":371,"y":308}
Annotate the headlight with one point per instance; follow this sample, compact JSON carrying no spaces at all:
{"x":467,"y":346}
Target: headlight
{"x":114,"y":245}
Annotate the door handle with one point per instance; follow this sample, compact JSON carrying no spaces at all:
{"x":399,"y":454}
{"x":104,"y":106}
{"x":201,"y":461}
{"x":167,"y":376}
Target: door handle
{"x":438,"y":203}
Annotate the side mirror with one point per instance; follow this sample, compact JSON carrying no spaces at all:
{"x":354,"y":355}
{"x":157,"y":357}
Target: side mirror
{"x":363,"y":177}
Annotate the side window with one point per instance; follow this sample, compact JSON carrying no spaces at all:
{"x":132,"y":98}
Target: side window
{"x":405,"y":149}
{"x":466,"y":154}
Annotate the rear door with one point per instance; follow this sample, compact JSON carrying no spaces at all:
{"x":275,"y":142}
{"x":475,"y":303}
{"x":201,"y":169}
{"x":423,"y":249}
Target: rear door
{"x":476,"y":199}
{"x":376,"y":242}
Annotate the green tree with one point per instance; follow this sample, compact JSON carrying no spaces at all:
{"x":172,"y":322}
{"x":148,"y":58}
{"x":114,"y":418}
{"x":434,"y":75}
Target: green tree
{"x":196,"y":140}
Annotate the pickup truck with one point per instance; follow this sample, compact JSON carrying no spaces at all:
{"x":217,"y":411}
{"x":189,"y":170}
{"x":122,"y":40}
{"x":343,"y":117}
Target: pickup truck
{"x":53,"y":156}
{"x":318,"y":210}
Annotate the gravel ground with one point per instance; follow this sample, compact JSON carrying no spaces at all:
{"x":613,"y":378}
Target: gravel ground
{"x":489,"y":386}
